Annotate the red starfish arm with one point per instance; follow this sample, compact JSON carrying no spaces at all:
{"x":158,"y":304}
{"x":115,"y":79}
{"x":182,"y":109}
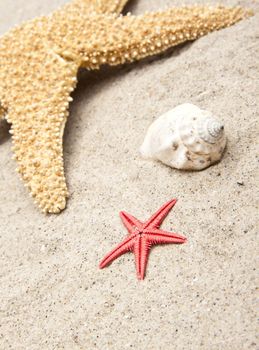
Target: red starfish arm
{"x":155,"y":231}
{"x":159,"y":236}
{"x":122,"y":248}
{"x":130,"y":222}
{"x":157,"y":219}
{"x":141,"y":252}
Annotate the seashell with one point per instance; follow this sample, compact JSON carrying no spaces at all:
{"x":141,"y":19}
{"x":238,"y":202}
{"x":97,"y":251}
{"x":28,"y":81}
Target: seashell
{"x":186,"y":137}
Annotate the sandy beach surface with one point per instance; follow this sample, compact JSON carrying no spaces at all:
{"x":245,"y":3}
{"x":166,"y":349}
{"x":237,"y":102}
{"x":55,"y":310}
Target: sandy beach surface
{"x":200,"y":295}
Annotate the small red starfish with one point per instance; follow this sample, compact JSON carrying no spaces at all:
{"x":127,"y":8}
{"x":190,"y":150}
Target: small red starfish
{"x":142,"y":236}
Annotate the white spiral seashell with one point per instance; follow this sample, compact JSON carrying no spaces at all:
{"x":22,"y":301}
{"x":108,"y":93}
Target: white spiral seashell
{"x":186,"y":137}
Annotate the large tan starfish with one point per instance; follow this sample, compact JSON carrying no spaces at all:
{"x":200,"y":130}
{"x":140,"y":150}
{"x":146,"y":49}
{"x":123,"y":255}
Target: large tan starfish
{"x":39,"y":61}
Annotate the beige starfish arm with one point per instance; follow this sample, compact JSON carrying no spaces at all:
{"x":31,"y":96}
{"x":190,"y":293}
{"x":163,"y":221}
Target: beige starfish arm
{"x":102,"y":6}
{"x":37,"y":111}
{"x":129,"y":38}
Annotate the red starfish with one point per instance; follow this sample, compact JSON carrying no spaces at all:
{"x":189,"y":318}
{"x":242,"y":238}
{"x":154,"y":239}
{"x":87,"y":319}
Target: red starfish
{"x":142,"y":236}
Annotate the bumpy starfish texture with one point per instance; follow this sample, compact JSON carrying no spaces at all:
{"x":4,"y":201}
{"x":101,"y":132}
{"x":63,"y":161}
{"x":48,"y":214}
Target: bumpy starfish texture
{"x":39,"y":61}
{"x":142,"y":236}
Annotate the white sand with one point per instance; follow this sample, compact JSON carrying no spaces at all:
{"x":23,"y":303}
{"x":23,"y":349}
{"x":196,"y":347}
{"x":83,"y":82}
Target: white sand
{"x":200,"y":295}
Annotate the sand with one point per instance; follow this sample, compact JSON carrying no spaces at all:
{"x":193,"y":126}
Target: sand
{"x":200,"y":295}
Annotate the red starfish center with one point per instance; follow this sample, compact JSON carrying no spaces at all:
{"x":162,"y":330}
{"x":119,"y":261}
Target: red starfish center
{"x":142,"y":236}
{"x":138,"y":232}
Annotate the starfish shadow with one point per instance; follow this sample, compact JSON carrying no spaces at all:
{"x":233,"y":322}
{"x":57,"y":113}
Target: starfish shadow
{"x":129,"y":7}
{"x":4,"y":131}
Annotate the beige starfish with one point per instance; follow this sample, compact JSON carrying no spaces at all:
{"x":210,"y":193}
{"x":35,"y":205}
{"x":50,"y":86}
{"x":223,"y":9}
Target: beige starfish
{"x":39,"y":61}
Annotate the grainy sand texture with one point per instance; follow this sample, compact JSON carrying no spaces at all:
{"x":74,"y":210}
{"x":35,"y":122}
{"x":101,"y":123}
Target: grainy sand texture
{"x":200,"y":295}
